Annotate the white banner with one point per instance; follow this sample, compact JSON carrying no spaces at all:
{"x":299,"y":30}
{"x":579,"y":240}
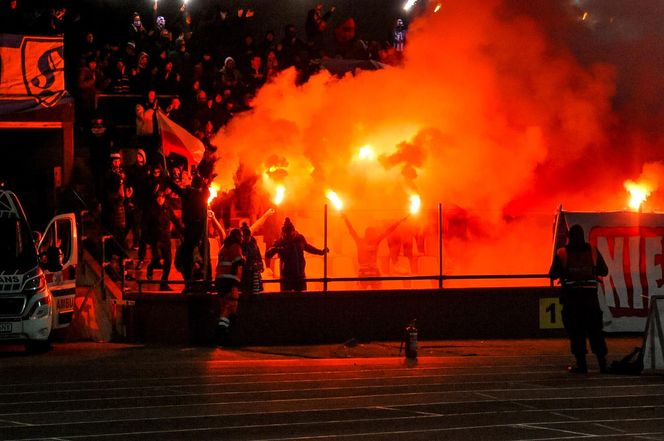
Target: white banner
{"x":631,"y":244}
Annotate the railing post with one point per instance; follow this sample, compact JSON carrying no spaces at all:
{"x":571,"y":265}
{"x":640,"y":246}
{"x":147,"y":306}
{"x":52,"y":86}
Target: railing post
{"x":325,"y":248}
{"x":440,"y":246}
{"x":103,"y":265}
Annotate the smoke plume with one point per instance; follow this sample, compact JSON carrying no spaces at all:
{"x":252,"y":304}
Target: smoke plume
{"x":501,"y":111}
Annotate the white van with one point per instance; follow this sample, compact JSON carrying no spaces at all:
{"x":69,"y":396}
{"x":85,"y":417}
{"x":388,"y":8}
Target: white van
{"x":37,"y":280}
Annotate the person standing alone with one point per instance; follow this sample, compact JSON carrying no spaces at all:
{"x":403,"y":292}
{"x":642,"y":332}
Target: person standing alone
{"x":578,"y":265}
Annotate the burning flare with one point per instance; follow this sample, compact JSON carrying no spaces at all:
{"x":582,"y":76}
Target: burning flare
{"x":279,"y":195}
{"x":214,"y":191}
{"x":366,"y":153}
{"x":638,"y":194}
{"x":437,"y":8}
{"x":335,"y":199}
{"x":409,"y":4}
{"x":415,"y":203}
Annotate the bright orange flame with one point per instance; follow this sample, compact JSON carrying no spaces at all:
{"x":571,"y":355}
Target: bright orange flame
{"x":409,"y":4}
{"x":335,"y":199}
{"x":437,"y":8}
{"x":415,"y":203}
{"x":214,"y":191}
{"x":279,"y":195}
{"x":366,"y":153}
{"x":585,"y":15}
{"x":638,"y":194}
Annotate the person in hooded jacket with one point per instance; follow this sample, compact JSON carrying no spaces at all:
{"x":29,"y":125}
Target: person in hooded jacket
{"x":229,"y":276}
{"x":291,"y":247}
{"x":578,"y":265}
{"x":252,"y":281}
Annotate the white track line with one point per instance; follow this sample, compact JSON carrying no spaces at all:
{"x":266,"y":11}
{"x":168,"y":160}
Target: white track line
{"x":390,"y":433}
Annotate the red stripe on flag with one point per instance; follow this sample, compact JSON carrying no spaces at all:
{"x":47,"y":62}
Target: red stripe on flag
{"x":176,"y":139}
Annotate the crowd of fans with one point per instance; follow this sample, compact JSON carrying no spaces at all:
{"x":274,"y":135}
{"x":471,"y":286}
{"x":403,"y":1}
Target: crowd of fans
{"x":199,"y":73}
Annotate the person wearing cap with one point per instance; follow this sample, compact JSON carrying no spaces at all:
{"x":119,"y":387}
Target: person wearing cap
{"x":291,"y":247}
{"x":230,"y":75}
{"x":579,"y":266}
{"x":116,"y":171}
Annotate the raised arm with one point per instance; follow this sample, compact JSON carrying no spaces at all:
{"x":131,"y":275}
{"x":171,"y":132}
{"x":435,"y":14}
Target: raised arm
{"x":351,"y":230}
{"x":261,"y":220}
{"x":217,"y":226}
{"x":391,"y":228}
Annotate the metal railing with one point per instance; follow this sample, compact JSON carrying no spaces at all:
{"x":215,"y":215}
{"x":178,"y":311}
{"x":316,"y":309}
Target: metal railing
{"x":326,"y":280}
{"x":209,"y":285}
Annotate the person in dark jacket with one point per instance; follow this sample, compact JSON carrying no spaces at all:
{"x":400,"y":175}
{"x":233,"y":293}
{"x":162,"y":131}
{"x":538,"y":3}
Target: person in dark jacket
{"x":194,"y":217}
{"x":252,"y":281}
{"x":578,"y":265}
{"x":160,"y":217}
{"x":290,"y":248}
{"x":228,"y":279}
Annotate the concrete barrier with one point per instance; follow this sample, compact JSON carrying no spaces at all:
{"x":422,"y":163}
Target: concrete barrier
{"x":335,"y":317}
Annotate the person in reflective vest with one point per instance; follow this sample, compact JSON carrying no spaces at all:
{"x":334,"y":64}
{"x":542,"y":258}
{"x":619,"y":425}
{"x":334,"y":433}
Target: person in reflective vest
{"x":578,"y":265}
{"x":229,"y":276}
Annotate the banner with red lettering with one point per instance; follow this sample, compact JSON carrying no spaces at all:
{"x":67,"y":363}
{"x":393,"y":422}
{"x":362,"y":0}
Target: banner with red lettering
{"x":632,"y":246}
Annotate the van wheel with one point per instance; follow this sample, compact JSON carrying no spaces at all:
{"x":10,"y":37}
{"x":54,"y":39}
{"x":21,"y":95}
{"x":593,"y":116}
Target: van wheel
{"x":38,"y":346}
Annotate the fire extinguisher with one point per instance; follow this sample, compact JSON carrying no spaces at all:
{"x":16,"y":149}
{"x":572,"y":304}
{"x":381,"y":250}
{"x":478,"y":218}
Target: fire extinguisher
{"x":410,"y":340}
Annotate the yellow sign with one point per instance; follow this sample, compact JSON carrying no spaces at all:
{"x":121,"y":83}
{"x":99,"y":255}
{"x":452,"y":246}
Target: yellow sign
{"x":549,"y":313}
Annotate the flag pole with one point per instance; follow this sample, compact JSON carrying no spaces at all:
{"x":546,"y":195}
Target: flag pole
{"x":161,"y":144}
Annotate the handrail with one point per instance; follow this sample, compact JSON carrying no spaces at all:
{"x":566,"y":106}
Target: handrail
{"x":129,"y":96}
{"x":326,"y":280}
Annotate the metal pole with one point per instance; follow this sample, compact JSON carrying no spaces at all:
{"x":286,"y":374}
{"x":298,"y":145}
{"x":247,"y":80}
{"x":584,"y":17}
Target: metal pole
{"x":103,"y":265}
{"x":440,"y":246}
{"x":325,"y":248}
{"x":205,"y":246}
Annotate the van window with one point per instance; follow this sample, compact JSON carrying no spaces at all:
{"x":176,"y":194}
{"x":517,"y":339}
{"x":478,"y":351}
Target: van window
{"x":17,"y":249}
{"x":59,"y":237}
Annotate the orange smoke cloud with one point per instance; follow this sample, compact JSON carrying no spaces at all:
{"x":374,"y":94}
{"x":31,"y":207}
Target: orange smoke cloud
{"x":483,"y":116}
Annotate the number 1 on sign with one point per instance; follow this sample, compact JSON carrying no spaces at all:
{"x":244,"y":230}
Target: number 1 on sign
{"x":549,"y":313}
{"x":551,"y":309}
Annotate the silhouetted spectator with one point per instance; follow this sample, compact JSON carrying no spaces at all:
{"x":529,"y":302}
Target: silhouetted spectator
{"x":141,"y":79}
{"x":291,"y":247}
{"x":158,"y":232}
{"x":167,"y":81}
{"x":87,"y":86}
{"x":146,"y":122}
{"x":314,"y":27}
{"x":194,"y":217}
{"x":252,"y":281}
{"x":294,"y":50}
{"x":346,"y":43}
{"x":230,"y":76}
{"x":137,"y":32}
{"x":398,"y":39}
